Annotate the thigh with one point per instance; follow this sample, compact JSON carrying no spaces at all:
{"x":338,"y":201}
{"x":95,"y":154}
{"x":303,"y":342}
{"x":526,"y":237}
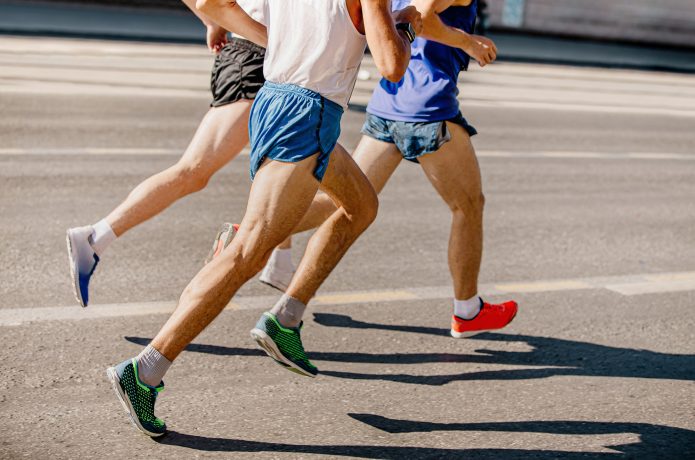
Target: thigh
{"x":453,"y":169}
{"x":221,"y":135}
{"x":377,"y":160}
{"x":280,"y":196}
{"x":346,"y":184}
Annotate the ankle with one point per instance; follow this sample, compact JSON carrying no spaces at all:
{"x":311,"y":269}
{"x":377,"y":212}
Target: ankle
{"x":468,"y":309}
{"x":102,"y":236}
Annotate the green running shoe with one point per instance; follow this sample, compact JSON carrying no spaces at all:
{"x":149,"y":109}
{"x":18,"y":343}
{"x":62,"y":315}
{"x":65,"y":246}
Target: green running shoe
{"x":283,"y":344}
{"x":137,"y":398}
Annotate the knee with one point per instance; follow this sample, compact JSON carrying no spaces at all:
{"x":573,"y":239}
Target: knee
{"x":469,"y":206}
{"x":245,"y":258}
{"x":192,"y":177}
{"x":364,"y":211}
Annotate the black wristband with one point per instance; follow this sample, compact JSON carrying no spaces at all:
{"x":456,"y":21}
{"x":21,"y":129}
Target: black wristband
{"x":406,"y":28}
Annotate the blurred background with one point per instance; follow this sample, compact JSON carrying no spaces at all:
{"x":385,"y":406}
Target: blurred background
{"x":666,"y":22}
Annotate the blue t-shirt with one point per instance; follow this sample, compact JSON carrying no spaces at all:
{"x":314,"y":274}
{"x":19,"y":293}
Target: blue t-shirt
{"x":427,"y":91}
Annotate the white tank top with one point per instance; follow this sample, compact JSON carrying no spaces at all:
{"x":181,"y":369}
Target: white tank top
{"x":315,"y":45}
{"x":257,"y":9}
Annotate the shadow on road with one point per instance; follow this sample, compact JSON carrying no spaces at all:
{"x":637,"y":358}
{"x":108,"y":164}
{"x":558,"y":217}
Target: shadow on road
{"x":562,"y":357}
{"x":657,"y":440}
{"x":554,"y":357}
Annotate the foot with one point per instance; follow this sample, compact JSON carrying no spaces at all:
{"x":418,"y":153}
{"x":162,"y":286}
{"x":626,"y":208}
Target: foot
{"x":136,"y":397}
{"x":489,"y":318}
{"x":224,"y":236}
{"x":83,"y":261}
{"x":283,"y":344}
{"x":276,"y":276}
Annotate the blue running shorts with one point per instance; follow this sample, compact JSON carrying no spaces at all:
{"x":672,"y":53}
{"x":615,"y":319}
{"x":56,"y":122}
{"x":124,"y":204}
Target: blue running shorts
{"x":290,"y":123}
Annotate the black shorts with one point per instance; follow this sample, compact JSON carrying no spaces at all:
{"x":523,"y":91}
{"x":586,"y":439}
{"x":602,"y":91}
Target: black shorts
{"x":237,"y":72}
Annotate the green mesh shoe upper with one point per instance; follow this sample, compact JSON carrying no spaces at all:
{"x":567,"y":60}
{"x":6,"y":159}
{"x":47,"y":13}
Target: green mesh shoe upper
{"x":288,"y":341}
{"x":142,"y":397}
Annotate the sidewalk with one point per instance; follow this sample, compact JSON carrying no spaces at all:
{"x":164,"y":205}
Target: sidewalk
{"x":167,"y":25}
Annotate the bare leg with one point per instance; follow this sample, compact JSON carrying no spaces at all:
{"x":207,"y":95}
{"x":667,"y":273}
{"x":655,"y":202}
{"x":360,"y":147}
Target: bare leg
{"x":280,"y":195}
{"x":219,"y":138}
{"x":454,"y":172}
{"x":377,"y":160}
{"x":350,"y":189}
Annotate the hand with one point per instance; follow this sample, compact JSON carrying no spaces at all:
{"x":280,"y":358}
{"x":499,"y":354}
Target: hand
{"x":409,"y":14}
{"x":216,"y":38}
{"x":482,"y":49}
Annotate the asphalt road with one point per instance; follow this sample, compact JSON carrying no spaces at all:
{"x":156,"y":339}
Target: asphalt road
{"x":589,"y":176}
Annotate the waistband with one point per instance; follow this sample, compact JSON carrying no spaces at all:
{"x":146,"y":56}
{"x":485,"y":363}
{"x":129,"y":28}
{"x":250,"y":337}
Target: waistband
{"x":295,"y":89}
{"x":239,"y":42}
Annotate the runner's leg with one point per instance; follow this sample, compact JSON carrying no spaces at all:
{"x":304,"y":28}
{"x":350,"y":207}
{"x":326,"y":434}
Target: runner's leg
{"x":219,"y":138}
{"x":280,"y":195}
{"x":377,"y":160}
{"x":454,"y":172}
{"x":350,"y":189}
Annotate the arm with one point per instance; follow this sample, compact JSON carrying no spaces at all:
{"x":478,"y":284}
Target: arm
{"x":216,"y":36}
{"x":232,"y":17}
{"x":390,"y":48}
{"x":481,"y":49}
{"x":203,"y":18}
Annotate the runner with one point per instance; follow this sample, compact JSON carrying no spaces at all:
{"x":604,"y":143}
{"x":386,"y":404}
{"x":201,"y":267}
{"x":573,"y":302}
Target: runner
{"x":237,"y":75}
{"x":418,"y":119}
{"x":313,"y":55}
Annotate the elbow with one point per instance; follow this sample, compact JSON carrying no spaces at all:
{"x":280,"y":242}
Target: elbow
{"x":206,"y":6}
{"x":394,"y":70}
{"x":393,"y":76}
{"x":203,"y":5}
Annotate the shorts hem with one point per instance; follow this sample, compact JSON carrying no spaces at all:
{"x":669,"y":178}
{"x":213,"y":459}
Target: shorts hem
{"x":223,"y":103}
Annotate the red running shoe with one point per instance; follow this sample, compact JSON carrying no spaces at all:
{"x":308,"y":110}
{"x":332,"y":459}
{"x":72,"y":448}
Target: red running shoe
{"x":490,"y":317}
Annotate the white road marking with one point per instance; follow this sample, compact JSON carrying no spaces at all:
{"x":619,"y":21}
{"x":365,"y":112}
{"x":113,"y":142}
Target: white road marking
{"x":660,"y":156}
{"x":625,"y":285}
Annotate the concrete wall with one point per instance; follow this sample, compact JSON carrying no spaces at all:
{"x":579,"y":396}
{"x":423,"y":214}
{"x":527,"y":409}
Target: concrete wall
{"x":669,"y":22}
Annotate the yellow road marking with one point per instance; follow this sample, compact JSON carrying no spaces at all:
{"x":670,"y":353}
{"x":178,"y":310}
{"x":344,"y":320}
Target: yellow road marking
{"x":683,"y":276}
{"x":376,"y":296}
{"x":543,"y":286}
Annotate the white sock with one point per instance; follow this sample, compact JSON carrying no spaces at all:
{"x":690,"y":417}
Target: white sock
{"x":289,"y":311}
{"x":467,"y":309}
{"x":282,"y":259}
{"x":102,"y":236}
{"x":152,"y":365}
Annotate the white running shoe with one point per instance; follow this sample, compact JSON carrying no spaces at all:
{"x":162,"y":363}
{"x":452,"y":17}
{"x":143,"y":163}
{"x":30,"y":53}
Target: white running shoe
{"x":276,"y":276}
{"x":83,"y":261}
{"x":224,"y":236}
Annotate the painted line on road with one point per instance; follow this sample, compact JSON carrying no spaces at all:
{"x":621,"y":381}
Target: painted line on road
{"x":649,"y":283}
{"x":554,"y":154}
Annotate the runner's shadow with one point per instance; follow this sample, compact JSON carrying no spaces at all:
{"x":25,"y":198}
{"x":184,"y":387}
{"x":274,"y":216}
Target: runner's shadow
{"x":335,"y":320}
{"x":549,"y":357}
{"x":343,"y":357}
{"x":210,"y":444}
{"x":557,"y":356}
{"x":656,"y":441}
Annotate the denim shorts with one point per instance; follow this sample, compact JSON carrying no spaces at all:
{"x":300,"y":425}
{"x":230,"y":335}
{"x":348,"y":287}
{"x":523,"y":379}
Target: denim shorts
{"x":413,"y":138}
{"x":290,"y":123}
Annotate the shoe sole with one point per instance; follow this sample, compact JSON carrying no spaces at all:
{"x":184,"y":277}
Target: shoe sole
{"x":465,"y":335}
{"x":278,"y":286}
{"x":266,"y":343}
{"x":125,"y":402}
{"x":72,"y":258}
